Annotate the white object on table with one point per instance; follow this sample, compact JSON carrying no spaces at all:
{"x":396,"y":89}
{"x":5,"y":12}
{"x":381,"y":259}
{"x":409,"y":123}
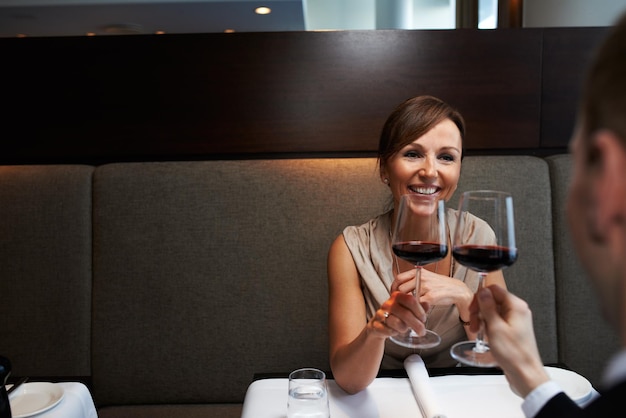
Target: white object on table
{"x":52,"y":400}
{"x":463,"y":396}
{"x":422,"y":388}
{"x":308,"y":394}
{"x":383,"y":398}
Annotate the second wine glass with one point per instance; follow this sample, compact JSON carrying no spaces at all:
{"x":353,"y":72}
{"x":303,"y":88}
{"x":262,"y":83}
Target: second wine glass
{"x":492,"y":212}
{"x":420,"y":238}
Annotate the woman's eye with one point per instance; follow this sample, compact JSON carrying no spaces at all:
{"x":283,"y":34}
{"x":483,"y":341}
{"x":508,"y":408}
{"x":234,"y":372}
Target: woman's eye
{"x":411,"y":154}
{"x":447,"y":157}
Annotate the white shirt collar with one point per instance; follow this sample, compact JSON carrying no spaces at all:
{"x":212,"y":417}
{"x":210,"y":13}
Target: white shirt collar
{"x":615,"y":370}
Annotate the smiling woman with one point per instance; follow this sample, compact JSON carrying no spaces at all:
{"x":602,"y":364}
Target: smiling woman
{"x":419,"y":154}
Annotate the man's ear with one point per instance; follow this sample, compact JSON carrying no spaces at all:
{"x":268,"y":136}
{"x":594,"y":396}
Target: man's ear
{"x":609,"y":183}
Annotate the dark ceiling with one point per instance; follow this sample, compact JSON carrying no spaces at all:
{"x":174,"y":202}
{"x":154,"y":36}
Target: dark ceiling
{"x":98,"y":17}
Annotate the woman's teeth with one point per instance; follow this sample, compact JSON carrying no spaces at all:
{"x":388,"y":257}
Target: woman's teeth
{"x":423,"y":190}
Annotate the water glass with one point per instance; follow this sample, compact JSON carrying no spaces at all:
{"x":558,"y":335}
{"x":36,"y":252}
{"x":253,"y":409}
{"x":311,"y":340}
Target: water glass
{"x":308,"y":396}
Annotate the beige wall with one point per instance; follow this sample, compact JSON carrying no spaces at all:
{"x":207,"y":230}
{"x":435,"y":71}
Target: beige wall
{"x":552,"y":13}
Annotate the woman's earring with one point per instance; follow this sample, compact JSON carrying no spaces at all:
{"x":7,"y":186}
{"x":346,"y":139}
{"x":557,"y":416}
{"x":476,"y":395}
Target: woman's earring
{"x":386,"y":181}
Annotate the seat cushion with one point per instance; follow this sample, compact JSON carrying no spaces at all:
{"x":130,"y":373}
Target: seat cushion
{"x":584,"y":336}
{"x":45,"y":269}
{"x":172,"y":411}
{"x":208,"y":272}
{"x":532,"y":275}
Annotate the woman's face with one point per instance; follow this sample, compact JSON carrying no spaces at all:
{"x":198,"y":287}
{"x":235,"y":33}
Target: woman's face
{"x":429,"y":166}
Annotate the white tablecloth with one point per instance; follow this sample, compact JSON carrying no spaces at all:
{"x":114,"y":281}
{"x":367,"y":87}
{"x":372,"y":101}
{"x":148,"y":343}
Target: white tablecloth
{"x":76,"y":403}
{"x":463,"y":396}
{"x":385,"y":398}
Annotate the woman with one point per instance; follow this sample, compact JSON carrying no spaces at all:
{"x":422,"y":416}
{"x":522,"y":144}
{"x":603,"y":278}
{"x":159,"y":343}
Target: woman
{"x":370,"y":290}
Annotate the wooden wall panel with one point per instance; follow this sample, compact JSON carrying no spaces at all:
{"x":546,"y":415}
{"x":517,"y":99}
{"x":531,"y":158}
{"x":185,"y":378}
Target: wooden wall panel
{"x":120,"y":98}
{"x":566,"y":53}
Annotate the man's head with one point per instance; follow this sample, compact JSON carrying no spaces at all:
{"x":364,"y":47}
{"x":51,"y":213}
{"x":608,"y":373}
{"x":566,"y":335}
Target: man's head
{"x":603,"y":103}
{"x":597,"y":196}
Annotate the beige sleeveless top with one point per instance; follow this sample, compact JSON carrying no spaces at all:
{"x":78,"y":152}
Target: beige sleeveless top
{"x":371,"y":250}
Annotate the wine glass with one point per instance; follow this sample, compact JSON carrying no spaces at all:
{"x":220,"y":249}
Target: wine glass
{"x":419,"y":237}
{"x":475,"y":209}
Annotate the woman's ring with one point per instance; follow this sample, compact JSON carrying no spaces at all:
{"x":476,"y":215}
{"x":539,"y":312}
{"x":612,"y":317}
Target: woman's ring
{"x":386,"y":315}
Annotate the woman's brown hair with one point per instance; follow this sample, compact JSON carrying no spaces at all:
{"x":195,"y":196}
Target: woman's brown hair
{"x":410,"y":120}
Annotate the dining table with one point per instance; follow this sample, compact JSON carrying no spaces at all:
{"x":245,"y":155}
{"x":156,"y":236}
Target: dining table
{"x":416,"y":391}
{"x":46,"y":399}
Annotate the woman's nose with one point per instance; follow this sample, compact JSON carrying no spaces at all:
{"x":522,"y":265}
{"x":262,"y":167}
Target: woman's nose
{"x":428,"y":169}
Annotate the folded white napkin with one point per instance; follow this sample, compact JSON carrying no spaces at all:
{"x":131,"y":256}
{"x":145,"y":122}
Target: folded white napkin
{"x":422,"y":389}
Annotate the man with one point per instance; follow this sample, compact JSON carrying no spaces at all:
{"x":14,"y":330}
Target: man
{"x":596,"y":211}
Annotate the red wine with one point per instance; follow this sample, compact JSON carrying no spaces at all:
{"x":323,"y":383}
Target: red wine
{"x":420,"y":252}
{"x":484,"y":258}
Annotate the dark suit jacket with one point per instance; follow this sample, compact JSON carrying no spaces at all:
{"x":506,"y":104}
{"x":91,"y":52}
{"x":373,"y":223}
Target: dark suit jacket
{"x":610,"y":403}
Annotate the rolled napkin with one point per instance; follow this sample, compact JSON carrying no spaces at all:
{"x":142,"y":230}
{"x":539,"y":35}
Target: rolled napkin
{"x":422,"y":389}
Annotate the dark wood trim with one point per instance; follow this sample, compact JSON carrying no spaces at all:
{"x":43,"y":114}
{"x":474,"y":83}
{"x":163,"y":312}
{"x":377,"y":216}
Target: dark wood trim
{"x":253,"y":95}
{"x":467,"y":14}
{"x":566,"y":54}
{"x":510,"y":14}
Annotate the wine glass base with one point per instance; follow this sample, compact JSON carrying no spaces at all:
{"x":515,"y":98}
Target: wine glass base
{"x":466,"y":353}
{"x":412,"y":340}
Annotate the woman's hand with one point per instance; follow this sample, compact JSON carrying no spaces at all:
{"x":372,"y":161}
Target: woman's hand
{"x":437,"y":289}
{"x":398,"y":314}
{"x":404,"y":282}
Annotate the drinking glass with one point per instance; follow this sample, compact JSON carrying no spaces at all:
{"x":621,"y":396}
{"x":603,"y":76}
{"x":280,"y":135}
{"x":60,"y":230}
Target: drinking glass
{"x":308,"y":395}
{"x":477,"y":208}
{"x":419,"y":237}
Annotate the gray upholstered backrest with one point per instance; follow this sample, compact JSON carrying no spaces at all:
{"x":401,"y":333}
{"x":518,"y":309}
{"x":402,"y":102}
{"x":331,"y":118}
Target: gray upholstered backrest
{"x":208,"y":272}
{"x":213,"y":271}
{"x":585,"y":339}
{"x":45,"y":269}
{"x":532,"y":275}
{"x":205,"y":273}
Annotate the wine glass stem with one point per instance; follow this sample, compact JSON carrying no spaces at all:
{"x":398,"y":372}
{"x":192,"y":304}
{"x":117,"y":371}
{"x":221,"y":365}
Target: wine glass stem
{"x":480,"y":346}
{"x":416,"y":292}
{"x":418,"y":279}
